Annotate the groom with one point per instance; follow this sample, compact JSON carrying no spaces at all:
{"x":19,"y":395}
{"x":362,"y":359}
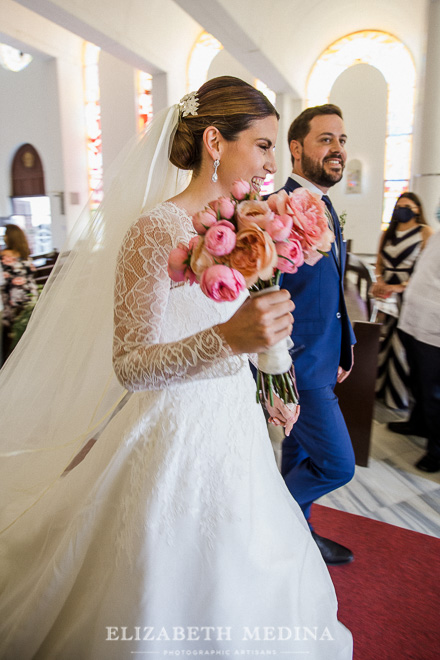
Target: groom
{"x":317,"y":455}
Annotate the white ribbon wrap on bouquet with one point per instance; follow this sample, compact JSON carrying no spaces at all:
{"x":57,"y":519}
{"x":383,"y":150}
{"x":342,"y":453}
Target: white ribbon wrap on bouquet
{"x":277,"y":359}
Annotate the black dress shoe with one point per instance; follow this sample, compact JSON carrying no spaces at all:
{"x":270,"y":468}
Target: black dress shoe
{"x":334,"y":554}
{"x":406,"y":428}
{"x":428,"y":463}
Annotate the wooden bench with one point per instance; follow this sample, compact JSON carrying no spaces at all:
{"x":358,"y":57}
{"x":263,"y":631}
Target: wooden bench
{"x":357,"y":393}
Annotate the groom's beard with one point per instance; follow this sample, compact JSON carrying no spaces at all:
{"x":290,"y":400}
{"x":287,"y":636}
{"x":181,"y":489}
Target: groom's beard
{"x":317,"y":173}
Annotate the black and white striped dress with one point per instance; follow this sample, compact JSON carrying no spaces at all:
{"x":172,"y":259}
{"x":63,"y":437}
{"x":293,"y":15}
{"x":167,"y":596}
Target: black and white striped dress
{"x":399,"y":257}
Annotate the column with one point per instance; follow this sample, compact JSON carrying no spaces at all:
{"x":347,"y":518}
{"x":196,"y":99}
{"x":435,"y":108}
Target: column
{"x":427,"y":179}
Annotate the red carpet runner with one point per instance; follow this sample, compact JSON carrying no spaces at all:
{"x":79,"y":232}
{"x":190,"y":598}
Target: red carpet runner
{"x":389,"y":597}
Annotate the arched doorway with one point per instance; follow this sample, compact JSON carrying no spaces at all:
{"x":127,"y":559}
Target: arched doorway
{"x":30,"y":204}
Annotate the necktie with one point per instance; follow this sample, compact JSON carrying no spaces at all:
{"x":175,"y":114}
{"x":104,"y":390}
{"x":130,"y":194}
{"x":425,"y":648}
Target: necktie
{"x":335,"y":222}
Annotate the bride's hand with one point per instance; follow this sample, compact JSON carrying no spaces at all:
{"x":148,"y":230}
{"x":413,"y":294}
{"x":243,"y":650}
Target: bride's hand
{"x":259,"y":323}
{"x":282,"y":414}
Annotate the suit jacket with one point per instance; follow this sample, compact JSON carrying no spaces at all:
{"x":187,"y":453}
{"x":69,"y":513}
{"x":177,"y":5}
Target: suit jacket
{"x":321,"y":324}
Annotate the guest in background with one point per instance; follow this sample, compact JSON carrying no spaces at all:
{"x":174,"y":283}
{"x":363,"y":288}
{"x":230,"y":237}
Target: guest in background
{"x":19,"y":287}
{"x":419,"y":325}
{"x":399,"y":248}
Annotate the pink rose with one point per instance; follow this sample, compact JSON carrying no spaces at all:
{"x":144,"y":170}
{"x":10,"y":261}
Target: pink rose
{"x":223,"y":207}
{"x":253,"y":212}
{"x":178,"y":265}
{"x":279,"y":227}
{"x":290,"y":256}
{"x":240,"y":189}
{"x":220,"y":240}
{"x":221,"y":283}
{"x":203,"y":220}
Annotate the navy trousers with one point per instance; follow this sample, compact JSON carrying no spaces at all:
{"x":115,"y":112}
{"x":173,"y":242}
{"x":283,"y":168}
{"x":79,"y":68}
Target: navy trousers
{"x":317,"y":456}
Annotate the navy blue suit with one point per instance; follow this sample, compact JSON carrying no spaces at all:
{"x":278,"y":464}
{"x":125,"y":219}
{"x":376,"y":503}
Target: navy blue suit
{"x":318,"y":456}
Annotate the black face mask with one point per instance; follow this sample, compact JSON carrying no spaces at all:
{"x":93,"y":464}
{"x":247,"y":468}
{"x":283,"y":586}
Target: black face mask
{"x":403,"y":214}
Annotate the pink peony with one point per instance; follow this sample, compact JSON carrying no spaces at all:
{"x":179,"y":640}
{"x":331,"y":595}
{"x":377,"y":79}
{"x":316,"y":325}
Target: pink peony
{"x":279,"y":203}
{"x":309,"y":218}
{"x":223,"y":207}
{"x":310,"y":224}
{"x":194,"y":241}
{"x":253,"y":212}
{"x":178,"y":265}
{"x":240,"y":189}
{"x":290,"y":256}
{"x":279,"y":227}
{"x":203,"y":220}
{"x":220,"y":239}
{"x":221,"y":283}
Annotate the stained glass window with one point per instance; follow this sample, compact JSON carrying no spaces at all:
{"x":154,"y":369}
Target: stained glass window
{"x":391,"y":57}
{"x":145,"y":96}
{"x":93,"y":122}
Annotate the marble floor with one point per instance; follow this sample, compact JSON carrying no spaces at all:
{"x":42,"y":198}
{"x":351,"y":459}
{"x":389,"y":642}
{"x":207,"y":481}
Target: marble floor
{"x":390,"y":489}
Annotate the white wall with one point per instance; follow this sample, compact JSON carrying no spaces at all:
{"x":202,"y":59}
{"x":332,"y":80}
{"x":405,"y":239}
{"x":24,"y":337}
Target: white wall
{"x":361,"y":93}
{"x":28,"y":115}
{"x":118,"y":105}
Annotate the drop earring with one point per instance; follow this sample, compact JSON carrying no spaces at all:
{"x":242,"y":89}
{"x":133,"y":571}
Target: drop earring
{"x":214,"y":177}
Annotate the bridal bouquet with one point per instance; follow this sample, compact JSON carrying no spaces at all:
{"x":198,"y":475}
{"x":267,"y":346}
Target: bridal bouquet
{"x":245,"y":242}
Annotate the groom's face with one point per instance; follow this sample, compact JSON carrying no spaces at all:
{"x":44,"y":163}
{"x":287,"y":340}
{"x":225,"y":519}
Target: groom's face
{"x":321,"y":157}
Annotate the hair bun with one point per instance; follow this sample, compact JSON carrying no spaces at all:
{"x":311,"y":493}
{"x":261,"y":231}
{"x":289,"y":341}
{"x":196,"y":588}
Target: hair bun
{"x":184,"y":150}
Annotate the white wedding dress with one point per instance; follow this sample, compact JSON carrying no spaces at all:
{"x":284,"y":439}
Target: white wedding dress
{"x":176,"y":534}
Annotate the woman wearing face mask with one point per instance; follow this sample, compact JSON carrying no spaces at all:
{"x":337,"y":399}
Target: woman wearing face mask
{"x":399,"y":249}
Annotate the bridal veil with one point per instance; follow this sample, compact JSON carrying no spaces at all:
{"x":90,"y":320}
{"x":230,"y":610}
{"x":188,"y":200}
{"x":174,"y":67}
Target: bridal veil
{"x":58,"y":388}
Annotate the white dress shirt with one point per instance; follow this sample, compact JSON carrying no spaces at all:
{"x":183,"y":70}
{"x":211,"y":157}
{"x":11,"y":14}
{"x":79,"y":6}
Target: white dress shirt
{"x":420,"y":314}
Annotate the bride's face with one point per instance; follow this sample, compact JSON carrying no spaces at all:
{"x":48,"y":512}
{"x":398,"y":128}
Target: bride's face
{"x":251,"y":156}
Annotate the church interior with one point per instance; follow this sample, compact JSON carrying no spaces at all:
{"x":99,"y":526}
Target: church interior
{"x":79,"y":79}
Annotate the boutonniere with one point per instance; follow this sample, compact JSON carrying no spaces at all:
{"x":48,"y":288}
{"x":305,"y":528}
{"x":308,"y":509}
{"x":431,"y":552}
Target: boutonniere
{"x":342,"y":220}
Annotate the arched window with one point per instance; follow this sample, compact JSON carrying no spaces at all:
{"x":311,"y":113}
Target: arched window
{"x":203,"y":52}
{"x":392,"y":58}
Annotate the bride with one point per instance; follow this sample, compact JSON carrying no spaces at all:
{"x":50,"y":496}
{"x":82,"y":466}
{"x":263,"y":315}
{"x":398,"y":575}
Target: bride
{"x":175,"y":535}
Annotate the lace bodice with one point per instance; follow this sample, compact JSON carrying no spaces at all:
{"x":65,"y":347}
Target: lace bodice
{"x":164,"y":333}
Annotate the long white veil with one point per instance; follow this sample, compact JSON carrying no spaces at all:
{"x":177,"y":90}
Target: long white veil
{"x":58,"y":388}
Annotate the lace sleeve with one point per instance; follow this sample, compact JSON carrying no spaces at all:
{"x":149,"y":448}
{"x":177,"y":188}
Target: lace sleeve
{"x":142,"y":290}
